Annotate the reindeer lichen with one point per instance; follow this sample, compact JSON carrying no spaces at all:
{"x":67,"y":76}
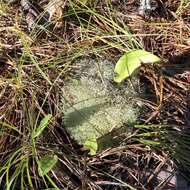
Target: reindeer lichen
{"x":93,"y":105}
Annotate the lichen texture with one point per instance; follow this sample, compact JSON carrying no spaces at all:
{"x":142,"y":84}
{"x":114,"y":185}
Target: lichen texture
{"x":93,"y":105}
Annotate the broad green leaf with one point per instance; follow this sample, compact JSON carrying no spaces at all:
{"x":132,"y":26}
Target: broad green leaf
{"x":149,"y":58}
{"x":92,"y":145}
{"x":43,"y":124}
{"x":46,"y":164}
{"x":131,"y":61}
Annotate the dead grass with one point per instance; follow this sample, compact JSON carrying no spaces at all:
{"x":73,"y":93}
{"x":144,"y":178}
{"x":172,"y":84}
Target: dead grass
{"x":33,"y":67}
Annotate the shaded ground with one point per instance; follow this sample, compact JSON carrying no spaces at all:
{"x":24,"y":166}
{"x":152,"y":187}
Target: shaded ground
{"x":34,"y":65}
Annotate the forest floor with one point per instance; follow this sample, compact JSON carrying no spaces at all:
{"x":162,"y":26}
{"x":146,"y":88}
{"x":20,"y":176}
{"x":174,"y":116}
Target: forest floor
{"x":37,"y":55}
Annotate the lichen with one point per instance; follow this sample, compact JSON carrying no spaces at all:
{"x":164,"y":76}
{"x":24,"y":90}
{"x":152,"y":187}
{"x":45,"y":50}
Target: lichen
{"x":93,"y":105}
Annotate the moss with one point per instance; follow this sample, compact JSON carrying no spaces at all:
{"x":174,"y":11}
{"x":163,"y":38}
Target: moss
{"x":93,"y":105}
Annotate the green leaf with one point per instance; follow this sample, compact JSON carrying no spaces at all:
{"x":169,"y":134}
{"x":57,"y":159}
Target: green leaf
{"x":43,"y":124}
{"x":46,"y":164}
{"x":92,"y":145}
{"x":131,"y":61}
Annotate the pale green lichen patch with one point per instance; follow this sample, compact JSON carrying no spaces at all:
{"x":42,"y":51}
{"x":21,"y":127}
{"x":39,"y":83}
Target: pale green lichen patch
{"x":93,"y":105}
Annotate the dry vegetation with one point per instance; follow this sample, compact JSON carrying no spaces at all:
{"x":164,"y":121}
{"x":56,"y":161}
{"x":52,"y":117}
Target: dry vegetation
{"x":34,"y":65}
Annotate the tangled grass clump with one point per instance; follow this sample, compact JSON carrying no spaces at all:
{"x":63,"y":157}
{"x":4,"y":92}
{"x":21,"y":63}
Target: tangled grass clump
{"x":35,"y":66}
